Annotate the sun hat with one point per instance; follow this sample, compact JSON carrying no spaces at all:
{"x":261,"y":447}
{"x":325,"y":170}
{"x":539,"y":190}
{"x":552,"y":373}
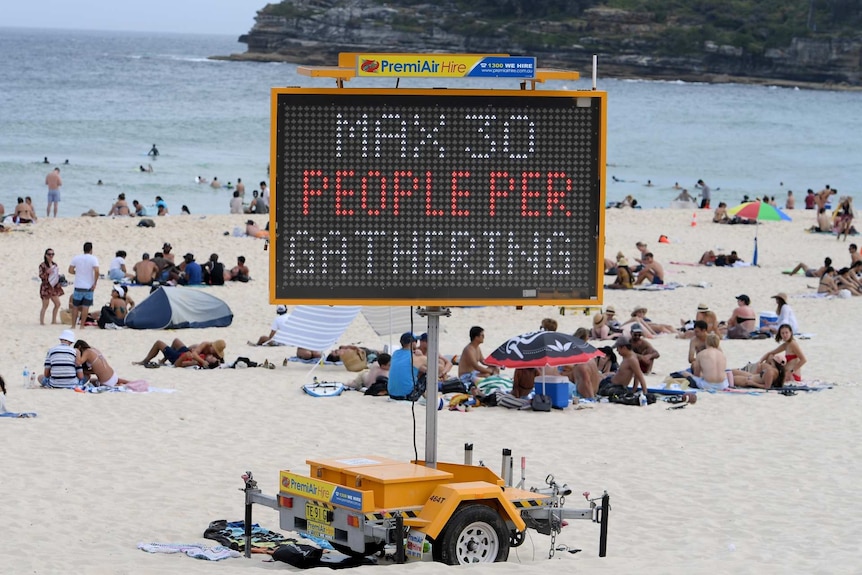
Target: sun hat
{"x":780,"y":295}
{"x":598,"y":318}
{"x":67,"y":335}
{"x":281,"y":309}
{"x":702,"y":307}
{"x":622,"y":261}
{"x":218,"y":346}
{"x":119,"y":290}
{"x":407,"y":337}
{"x":637,"y":309}
{"x":610,"y":310}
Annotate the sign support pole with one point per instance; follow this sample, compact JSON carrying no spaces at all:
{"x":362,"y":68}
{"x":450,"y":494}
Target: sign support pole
{"x":432,"y":377}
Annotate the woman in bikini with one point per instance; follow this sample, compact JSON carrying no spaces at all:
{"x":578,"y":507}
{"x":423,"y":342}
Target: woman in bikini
{"x":767,"y":374}
{"x":792,"y":350}
{"x":94,"y":363}
{"x":742,"y":320}
{"x":625,"y":279}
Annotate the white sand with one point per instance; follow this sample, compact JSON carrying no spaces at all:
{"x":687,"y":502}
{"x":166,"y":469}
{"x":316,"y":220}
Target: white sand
{"x":733,"y":484}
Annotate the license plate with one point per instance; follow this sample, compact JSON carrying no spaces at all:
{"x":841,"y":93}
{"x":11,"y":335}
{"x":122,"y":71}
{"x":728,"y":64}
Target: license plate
{"x":318,"y":513}
{"x":320,"y":530}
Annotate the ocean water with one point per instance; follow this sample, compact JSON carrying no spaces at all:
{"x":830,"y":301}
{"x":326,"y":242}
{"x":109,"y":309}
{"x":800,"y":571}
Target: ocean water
{"x":101,"y":99}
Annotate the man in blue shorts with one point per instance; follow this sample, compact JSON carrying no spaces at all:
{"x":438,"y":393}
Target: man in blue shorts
{"x":53,"y":181}
{"x":85,"y":268}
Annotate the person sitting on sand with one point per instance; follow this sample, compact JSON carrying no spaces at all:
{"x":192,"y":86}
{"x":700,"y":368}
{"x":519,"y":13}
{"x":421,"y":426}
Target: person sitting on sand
{"x":600,"y":329}
{"x":846,"y":279}
{"x":120,"y":207}
{"x":827,"y":283}
{"x":765,"y":374}
{"x":625,"y":278}
{"x":24,"y":213}
{"x":214,"y":272}
{"x":710,"y":366}
{"x":62,"y":369}
{"x":117,"y":268}
{"x":94,"y":364}
{"x":117,"y":309}
{"x":792,"y":350}
{"x":629,"y":370}
{"x":239,"y":272}
{"x":652,"y":271}
{"x":785,"y":316}
{"x":145,"y":271}
{"x":811,"y":272}
{"x":470,"y":365}
{"x":705,"y":314}
{"x":277,"y":324}
{"x":743,"y":319}
{"x":443,"y":364}
{"x":644,"y":351}
{"x":524,"y":381}
{"x":205,"y":354}
{"x":406,"y":368}
{"x":720,"y":215}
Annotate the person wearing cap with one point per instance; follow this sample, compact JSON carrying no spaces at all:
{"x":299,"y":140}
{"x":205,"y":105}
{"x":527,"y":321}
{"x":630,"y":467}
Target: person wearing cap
{"x":785,"y":316}
{"x":645,"y":352}
{"x":191,"y":273}
{"x":743,"y":319}
{"x":407,"y":368}
{"x":765,"y":374}
{"x":629,"y":370}
{"x":470,"y":365}
{"x":62,"y":369}
{"x":117,"y":309}
{"x":652,"y":271}
{"x":278,"y":323}
{"x":443,"y":364}
{"x":213,"y":270}
{"x":167,"y":253}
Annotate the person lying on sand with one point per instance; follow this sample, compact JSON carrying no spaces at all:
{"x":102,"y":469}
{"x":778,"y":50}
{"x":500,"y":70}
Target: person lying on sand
{"x":205,"y":354}
{"x":765,"y":374}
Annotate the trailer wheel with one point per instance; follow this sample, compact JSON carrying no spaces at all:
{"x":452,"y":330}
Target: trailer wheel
{"x":475,"y":534}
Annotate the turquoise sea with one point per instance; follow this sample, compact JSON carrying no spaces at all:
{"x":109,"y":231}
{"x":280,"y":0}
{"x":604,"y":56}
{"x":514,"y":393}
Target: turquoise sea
{"x":101,"y":99}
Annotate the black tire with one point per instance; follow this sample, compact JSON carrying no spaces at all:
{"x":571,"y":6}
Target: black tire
{"x":475,"y":534}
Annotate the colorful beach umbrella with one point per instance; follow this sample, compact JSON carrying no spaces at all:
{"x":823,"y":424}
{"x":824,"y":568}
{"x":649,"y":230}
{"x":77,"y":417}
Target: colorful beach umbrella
{"x":541,"y":348}
{"x":758,"y":211}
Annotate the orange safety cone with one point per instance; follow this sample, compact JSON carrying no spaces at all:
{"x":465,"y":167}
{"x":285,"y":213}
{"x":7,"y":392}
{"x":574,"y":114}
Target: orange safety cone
{"x":694,"y":220}
{"x":663,"y":239}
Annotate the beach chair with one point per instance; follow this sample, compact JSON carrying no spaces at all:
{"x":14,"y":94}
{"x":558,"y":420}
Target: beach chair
{"x":315,"y":327}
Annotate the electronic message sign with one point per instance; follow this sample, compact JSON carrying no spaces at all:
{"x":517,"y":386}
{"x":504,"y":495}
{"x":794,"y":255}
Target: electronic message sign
{"x":437,"y":197}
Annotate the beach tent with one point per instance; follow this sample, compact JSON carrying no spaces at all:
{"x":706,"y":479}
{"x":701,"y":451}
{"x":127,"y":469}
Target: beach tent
{"x":315,"y":327}
{"x":179,"y":307}
{"x":388,"y":320}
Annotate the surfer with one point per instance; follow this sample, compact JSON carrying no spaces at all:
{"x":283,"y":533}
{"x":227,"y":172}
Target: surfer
{"x":154,"y":151}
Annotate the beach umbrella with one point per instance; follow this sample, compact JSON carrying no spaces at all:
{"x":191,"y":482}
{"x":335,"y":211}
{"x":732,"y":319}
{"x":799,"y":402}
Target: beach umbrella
{"x":541,"y":348}
{"x":759,"y":211}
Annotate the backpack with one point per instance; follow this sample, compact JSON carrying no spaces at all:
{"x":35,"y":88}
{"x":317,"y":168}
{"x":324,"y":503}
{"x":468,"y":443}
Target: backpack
{"x":510,"y":401}
{"x":418,"y":388}
{"x":630,"y":398}
{"x":541,"y":402}
{"x":379,"y":387}
{"x":453,"y":385}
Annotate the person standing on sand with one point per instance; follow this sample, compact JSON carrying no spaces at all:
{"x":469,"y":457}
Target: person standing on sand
{"x":85,"y":268}
{"x":53,"y":181}
{"x":50,"y":289}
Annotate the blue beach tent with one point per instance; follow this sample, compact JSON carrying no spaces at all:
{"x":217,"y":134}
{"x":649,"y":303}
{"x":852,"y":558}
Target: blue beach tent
{"x":179,"y":307}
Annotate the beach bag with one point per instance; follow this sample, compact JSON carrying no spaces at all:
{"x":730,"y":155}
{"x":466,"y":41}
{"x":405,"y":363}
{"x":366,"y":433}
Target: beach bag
{"x":453,"y":385}
{"x":630,"y":398}
{"x":541,"y":402}
{"x":418,"y":389}
{"x":298,"y":555}
{"x":146,"y":223}
{"x":511,"y":402}
{"x":354,"y":359}
{"x":379,"y":387}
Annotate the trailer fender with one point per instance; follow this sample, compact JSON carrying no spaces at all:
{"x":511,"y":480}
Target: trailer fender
{"x":446,"y":499}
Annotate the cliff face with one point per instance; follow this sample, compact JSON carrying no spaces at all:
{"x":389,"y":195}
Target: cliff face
{"x":629,"y":44}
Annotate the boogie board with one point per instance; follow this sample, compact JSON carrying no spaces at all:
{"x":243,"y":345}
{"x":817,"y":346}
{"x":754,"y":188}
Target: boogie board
{"x":323,"y":388}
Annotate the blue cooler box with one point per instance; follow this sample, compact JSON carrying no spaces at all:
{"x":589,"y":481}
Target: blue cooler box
{"x":558,"y":390}
{"x":767,"y":318}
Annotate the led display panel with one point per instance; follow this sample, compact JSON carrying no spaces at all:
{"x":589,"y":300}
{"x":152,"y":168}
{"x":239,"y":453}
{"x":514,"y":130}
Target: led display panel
{"x":437,"y":197}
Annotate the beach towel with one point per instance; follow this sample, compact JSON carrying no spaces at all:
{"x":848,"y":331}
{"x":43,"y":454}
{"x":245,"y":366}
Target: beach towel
{"x":313,"y":361}
{"x":195,"y":550}
{"x":232,"y":535}
{"x":14,"y":415}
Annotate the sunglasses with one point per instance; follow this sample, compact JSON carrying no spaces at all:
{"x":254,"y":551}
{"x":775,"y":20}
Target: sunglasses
{"x":50,"y":254}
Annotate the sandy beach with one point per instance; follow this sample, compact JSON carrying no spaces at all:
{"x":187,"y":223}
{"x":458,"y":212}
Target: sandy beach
{"x":736,"y":483}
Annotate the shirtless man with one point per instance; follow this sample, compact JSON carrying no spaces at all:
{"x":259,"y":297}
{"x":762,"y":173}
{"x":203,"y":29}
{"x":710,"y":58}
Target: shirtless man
{"x":443,"y":364}
{"x":470,"y":363}
{"x":823,"y":197}
{"x":53,"y":181}
{"x":824,"y":222}
{"x":24,"y":213}
{"x":710,"y":366}
{"x":629,"y":369}
{"x":644,"y":351}
{"x":697,"y":344}
{"x":855,"y":256}
{"x":146,"y":271}
{"x":651,"y":271}
{"x":811,"y":272}
{"x":120,"y":207}
{"x":585,"y":376}
{"x":240,"y":187}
